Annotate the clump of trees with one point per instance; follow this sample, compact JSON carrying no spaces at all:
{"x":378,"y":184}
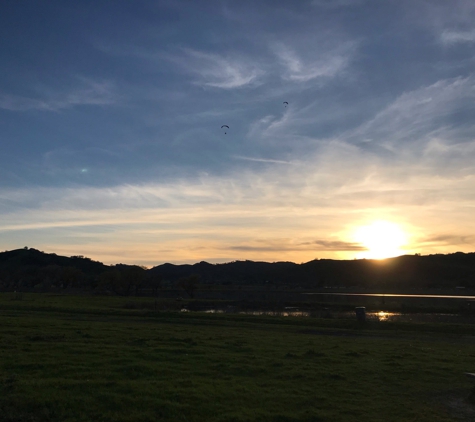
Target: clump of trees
{"x":189,"y":284}
{"x":125,"y":280}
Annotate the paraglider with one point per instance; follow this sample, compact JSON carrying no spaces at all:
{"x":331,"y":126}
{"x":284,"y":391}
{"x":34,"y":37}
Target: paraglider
{"x":285,"y":103}
{"x":225,"y":126}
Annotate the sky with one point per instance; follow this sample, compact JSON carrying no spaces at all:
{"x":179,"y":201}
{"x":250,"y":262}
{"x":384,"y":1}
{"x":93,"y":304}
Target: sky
{"x":112,"y":146}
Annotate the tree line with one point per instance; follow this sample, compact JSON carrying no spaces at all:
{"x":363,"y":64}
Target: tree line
{"x":28,"y":269}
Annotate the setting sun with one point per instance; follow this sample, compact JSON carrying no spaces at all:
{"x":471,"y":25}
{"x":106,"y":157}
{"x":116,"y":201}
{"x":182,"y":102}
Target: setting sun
{"x":382,"y":239}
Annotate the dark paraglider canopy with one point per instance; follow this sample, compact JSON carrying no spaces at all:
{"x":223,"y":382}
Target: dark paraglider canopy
{"x":225,"y":126}
{"x":285,"y":103}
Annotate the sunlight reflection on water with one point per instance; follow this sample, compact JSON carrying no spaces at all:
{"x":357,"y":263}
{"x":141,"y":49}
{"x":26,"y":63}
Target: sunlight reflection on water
{"x":384,"y":316}
{"x":271,"y":313}
{"x":381,"y":316}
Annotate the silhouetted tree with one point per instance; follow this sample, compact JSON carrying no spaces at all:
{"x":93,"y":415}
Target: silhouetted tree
{"x":132,"y":279}
{"x":122,"y":280}
{"x":110,"y":281}
{"x":189,"y":284}
{"x":153,"y":281}
{"x":71,"y":277}
{"x":49,"y":275}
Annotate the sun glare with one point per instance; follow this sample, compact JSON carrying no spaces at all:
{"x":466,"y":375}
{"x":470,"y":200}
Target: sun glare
{"x":382,"y":239}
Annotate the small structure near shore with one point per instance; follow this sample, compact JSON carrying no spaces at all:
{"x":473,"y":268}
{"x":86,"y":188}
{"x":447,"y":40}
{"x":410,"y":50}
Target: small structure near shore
{"x":360,"y":313}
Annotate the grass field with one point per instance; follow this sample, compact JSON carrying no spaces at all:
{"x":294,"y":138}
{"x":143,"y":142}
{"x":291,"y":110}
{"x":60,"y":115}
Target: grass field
{"x":65,"y":358}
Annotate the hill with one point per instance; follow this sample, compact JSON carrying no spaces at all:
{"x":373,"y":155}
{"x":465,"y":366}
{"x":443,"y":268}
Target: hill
{"x":408,"y":271}
{"x":30,"y":269}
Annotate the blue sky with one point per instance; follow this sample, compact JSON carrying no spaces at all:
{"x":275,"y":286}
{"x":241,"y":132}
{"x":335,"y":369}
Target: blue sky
{"x":111,"y":143}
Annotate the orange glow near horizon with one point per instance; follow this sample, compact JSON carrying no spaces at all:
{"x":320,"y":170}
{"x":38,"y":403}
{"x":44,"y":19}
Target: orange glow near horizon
{"x":382,"y":239}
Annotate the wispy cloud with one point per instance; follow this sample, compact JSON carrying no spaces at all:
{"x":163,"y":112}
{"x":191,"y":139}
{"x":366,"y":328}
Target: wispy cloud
{"x":262,"y":160}
{"x":415,"y":118}
{"x":89,"y":92}
{"x":226,"y":71}
{"x":450,"y":22}
{"x":445,"y":240}
{"x":279,"y":245}
{"x":19,"y":103}
{"x":326,"y":64}
{"x":456,"y":37}
{"x":335,"y":4}
{"x":335,"y":245}
{"x":220,"y":71}
{"x":272,"y":129}
{"x":68,"y":160}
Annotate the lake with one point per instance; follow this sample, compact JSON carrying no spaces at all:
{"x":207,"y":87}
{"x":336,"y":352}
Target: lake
{"x":382,"y":316}
{"x":395,"y":295}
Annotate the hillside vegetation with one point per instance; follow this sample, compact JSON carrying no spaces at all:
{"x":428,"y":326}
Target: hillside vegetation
{"x":33,"y":270}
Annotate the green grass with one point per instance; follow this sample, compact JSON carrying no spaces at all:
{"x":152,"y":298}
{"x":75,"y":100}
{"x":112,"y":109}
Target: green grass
{"x":65,"y":358}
